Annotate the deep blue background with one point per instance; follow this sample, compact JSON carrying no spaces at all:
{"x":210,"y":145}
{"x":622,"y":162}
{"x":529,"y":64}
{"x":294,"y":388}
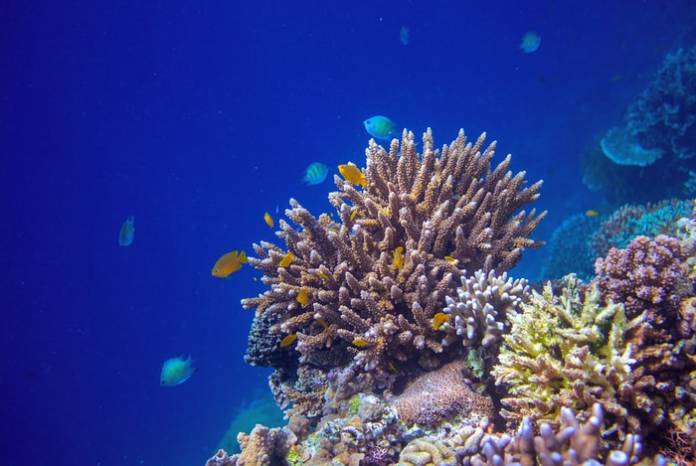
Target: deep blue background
{"x":196,"y":119}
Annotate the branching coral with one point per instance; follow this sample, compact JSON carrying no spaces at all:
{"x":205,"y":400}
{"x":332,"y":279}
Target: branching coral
{"x":477,"y":316}
{"x":572,"y":444}
{"x":635,"y":355}
{"x":373,"y":281}
{"x":565,"y":350}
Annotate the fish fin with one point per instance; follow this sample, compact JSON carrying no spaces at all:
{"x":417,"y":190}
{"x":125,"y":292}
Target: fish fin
{"x":243,"y":257}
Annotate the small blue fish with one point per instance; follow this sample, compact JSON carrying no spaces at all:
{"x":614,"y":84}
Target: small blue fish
{"x":127,"y":232}
{"x":315,"y":174}
{"x":404,"y":35}
{"x":380,"y":127}
{"x":176,"y":371}
{"x":530,"y":42}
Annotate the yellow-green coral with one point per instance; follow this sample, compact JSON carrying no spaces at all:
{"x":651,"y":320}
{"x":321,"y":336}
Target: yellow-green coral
{"x":565,"y":350}
{"x":293,"y":457}
{"x":354,"y":405}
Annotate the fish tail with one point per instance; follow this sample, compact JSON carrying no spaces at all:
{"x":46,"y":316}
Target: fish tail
{"x":243,"y":257}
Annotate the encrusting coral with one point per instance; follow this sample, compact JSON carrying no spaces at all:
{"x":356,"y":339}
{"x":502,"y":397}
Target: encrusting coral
{"x":373,"y":281}
{"x":440,"y":394}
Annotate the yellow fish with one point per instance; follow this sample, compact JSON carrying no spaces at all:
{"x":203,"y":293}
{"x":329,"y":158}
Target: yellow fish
{"x":303,"y":297}
{"x":353,"y":213}
{"x":360,"y":342}
{"x":353,"y":174}
{"x":288,"y":340}
{"x":591,"y":213}
{"x":322,"y":275}
{"x":287,"y":259}
{"x":439,"y":319}
{"x":229,"y":263}
{"x":398,"y":257}
{"x":268,"y":219}
{"x":451,"y":260}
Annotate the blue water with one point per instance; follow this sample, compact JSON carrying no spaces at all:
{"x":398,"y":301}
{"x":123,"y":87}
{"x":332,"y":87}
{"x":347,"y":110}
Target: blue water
{"x":195,"y":118}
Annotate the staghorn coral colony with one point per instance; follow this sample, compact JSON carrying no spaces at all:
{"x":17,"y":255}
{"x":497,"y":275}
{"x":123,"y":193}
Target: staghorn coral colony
{"x":396,"y":336}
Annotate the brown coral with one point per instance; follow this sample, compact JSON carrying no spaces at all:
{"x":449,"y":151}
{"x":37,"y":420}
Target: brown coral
{"x":440,"y":394}
{"x":264,"y":446}
{"x":651,"y":279}
{"x":376,"y":278}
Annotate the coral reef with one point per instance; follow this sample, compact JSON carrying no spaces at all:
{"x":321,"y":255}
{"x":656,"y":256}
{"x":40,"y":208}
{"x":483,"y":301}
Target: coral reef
{"x":634,"y":354}
{"x":664,"y":115}
{"x":221,"y":459}
{"x":371,"y":283}
{"x":569,"y":251}
{"x":440,"y":394}
{"x":260,"y":410}
{"x":397,"y":337}
{"x":652,"y":281}
{"x":572,"y":443}
{"x":651,"y":155}
{"x":630,"y":221}
{"x":262,"y":447}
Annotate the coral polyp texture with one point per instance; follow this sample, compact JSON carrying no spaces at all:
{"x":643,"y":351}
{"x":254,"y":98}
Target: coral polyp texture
{"x":373,"y":281}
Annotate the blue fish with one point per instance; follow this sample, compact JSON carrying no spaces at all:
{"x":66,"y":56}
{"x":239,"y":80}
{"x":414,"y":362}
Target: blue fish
{"x":176,"y":371}
{"x":127,"y":232}
{"x":315,"y":174}
{"x":380,"y":127}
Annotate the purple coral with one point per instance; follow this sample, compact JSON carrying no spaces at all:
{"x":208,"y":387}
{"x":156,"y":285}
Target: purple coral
{"x":378,"y":456}
{"x":646,"y":276}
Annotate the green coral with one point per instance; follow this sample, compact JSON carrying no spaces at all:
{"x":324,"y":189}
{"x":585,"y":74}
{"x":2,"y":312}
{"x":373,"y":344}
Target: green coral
{"x":565,"y":350}
{"x":354,"y":405}
{"x":475,"y":361}
{"x":294,"y":458}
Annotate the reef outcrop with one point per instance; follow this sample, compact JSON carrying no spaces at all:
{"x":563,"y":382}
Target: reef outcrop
{"x":397,"y":336}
